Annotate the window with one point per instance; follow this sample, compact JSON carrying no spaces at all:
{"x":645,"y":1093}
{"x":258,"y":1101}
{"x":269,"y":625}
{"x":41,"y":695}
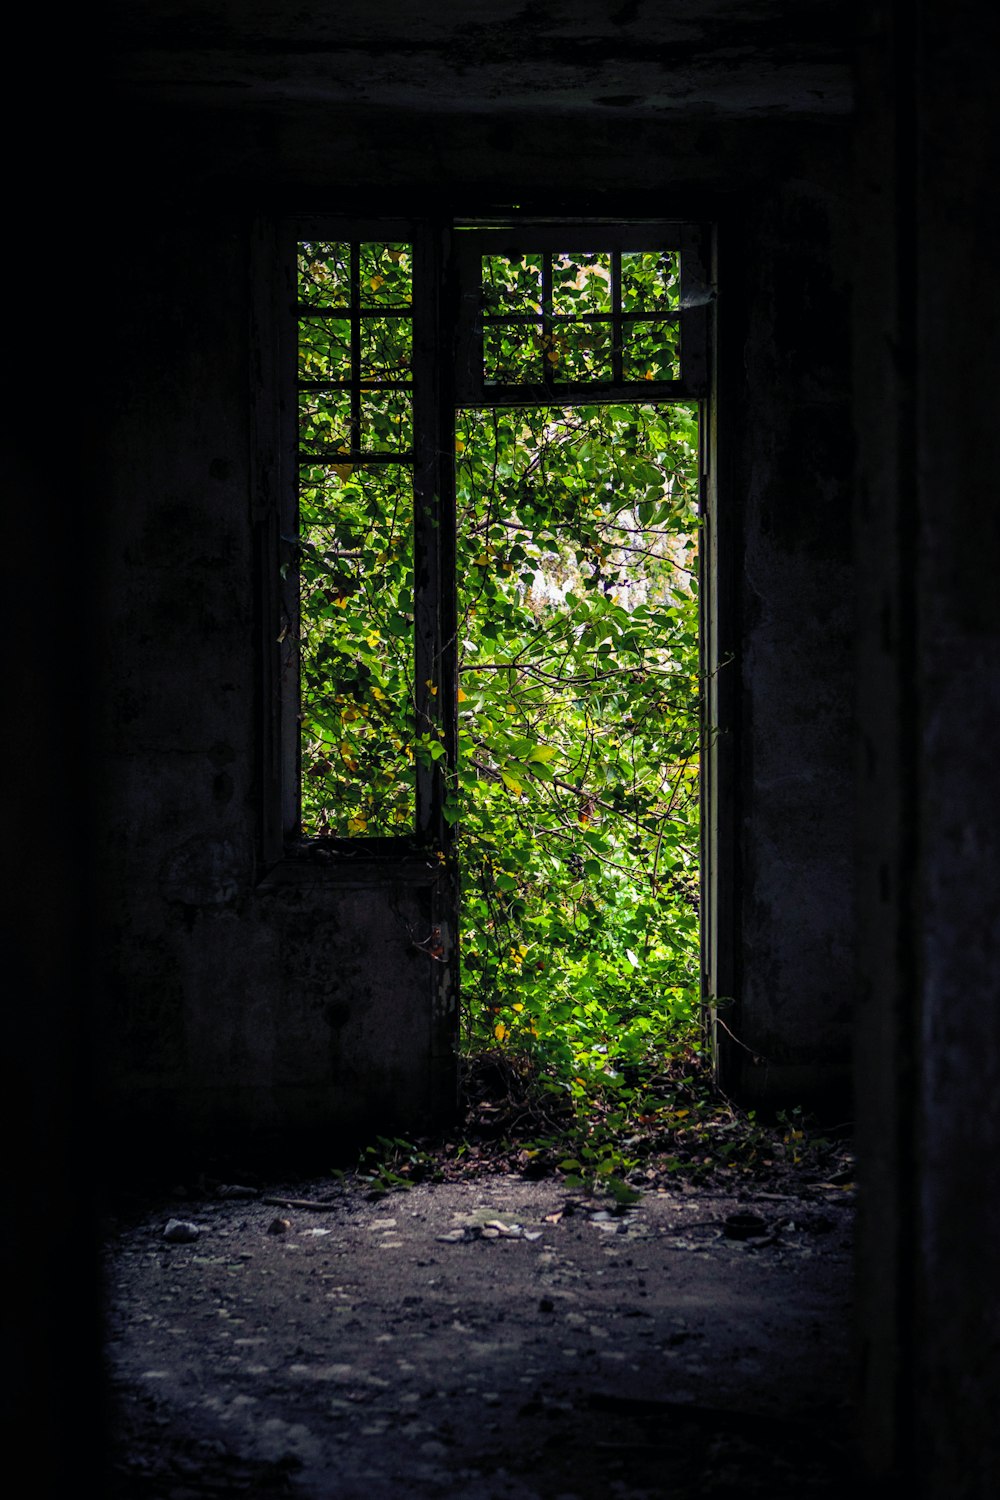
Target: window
{"x":386,"y":329}
{"x":354,"y":538}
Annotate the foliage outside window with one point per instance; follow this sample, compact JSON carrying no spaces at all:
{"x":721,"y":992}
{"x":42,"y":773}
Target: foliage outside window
{"x":574,"y":796}
{"x":355,"y":537}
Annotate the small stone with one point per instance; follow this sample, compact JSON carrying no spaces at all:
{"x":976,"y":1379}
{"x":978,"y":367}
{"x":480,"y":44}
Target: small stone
{"x":237,"y":1190}
{"x":180,"y":1232}
{"x":279,"y":1226}
{"x":744,"y":1226}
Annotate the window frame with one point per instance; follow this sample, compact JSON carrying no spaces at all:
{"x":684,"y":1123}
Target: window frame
{"x":444,"y":250}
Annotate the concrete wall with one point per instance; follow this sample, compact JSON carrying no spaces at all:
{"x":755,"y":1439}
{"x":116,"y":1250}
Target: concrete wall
{"x":788,"y":410}
{"x":239,"y":1001}
{"x":200,"y":1020}
{"x":929,"y":676}
{"x":240,"y":1008}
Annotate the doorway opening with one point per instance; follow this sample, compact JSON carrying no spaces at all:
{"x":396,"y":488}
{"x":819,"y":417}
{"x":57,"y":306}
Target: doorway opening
{"x":579,"y":711}
{"x":492,"y":642}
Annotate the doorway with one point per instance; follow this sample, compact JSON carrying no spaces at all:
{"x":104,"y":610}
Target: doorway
{"x":579,"y":712}
{"x":491,"y":645}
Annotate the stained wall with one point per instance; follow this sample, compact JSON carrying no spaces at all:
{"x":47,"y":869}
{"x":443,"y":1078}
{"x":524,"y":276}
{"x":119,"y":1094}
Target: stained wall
{"x":236,"y":1002}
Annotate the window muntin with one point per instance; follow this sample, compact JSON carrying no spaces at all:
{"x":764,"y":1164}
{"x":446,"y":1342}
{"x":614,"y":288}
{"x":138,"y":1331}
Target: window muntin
{"x":556,"y":315}
{"x":559,"y":317}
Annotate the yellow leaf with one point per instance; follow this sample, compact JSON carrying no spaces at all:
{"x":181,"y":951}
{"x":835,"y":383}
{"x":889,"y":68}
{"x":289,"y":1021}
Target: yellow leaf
{"x":378,"y":693}
{"x":343,"y":471}
{"x":462,"y":696}
{"x":518,"y":1007}
{"x":376,"y":282}
{"x":553,"y":356}
{"x":510,"y":783}
{"x":357,"y":824}
{"x":499,"y":1031}
{"x":459,"y":446}
{"x":395,"y":256}
{"x":431,"y":687}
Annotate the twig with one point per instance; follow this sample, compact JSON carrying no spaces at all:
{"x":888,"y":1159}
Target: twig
{"x":318,"y":1206}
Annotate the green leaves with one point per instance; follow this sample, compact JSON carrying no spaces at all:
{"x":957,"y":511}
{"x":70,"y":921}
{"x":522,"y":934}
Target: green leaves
{"x":355,"y":652}
{"x":578,"y":742}
{"x":576,"y":788}
{"x":540,"y":755}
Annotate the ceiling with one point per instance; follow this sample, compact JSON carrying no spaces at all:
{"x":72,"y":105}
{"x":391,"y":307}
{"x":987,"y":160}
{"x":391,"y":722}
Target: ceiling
{"x":647,"y":58}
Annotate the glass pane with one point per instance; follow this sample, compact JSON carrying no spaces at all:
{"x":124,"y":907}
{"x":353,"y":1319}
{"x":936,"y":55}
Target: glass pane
{"x":584,"y":351}
{"x":324,"y":278}
{"x":512,"y":354}
{"x":324,"y":349}
{"x":512,"y":283}
{"x":386,"y":275}
{"x":356,"y":645}
{"x":324,"y":420}
{"x":652,"y":351}
{"x":386,"y":348}
{"x":386,"y":421}
{"x":581,"y":283}
{"x":651,"y":280}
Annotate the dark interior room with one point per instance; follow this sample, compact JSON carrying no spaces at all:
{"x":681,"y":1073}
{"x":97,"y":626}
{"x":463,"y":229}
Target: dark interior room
{"x":195,"y":981}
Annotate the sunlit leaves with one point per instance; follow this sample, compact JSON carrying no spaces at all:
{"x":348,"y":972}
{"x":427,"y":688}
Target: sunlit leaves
{"x":356,"y":643}
{"x":575,"y":795}
{"x":651,"y":281}
{"x":579,"y":731}
{"x":579,"y":317}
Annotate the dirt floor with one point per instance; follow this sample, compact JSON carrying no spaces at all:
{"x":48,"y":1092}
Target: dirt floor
{"x":495,"y":1337}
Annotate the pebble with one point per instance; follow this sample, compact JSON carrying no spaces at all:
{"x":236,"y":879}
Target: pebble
{"x":180,"y":1231}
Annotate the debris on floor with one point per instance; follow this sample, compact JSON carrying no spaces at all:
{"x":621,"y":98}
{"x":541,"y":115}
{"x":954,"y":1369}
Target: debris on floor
{"x":502,"y":1338}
